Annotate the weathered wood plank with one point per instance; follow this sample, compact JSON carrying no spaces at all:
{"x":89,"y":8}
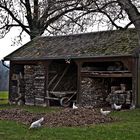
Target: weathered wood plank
{"x":52,"y":80}
{"x":52,"y":98}
{"x":106,"y":74}
{"x":79,"y":65}
{"x":64,"y":72}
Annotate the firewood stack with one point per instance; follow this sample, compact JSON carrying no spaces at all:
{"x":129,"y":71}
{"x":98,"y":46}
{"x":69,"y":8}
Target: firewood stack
{"x":34,"y":76}
{"x":119,"y":95}
{"x":94,"y":92}
{"x":29,"y":84}
{"x":39,"y":84}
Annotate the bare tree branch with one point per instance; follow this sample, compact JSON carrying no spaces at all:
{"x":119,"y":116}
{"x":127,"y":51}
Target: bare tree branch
{"x":14,"y":18}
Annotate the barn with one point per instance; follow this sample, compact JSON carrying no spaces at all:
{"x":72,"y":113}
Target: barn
{"x":92,"y":69}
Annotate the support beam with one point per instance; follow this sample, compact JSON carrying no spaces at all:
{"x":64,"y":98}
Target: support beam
{"x":46,"y":93}
{"x":52,"y":80}
{"x":135,"y":79}
{"x":79,"y":65}
{"x":138,"y":82}
{"x":10,"y":81}
{"x":64,"y":72}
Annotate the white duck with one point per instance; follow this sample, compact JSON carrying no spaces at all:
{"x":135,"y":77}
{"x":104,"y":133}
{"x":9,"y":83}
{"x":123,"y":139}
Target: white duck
{"x":104,"y":112}
{"x":37,"y":123}
{"x":117,"y":107}
{"x":132,"y":107}
{"x":74,"y":106}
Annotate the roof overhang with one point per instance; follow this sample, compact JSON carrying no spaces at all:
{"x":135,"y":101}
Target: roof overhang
{"x":66,"y":57}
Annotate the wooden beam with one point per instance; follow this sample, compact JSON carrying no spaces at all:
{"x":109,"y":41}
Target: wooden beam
{"x":52,"y":80}
{"x":64,"y":72}
{"x":79,"y":65}
{"x":10,"y":80}
{"x":104,"y":59}
{"x":137,"y":97}
{"x":106,"y":74}
{"x":135,"y":81}
{"x":46,"y":93}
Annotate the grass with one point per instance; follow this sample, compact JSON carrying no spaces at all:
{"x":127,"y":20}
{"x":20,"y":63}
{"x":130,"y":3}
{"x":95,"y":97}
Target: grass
{"x":4,"y":97}
{"x":4,"y":94}
{"x":4,"y":105}
{"x":127,"y":128}
{"x":32,"y":109}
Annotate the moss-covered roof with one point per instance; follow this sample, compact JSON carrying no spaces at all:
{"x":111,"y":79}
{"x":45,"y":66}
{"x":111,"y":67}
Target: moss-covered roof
{"x":104,"y":43}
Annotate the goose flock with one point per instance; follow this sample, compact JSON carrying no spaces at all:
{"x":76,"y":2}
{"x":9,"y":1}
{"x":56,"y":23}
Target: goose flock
{"x":37,"y":124}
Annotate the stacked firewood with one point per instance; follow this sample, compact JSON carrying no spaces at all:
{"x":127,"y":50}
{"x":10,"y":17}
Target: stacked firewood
{"x":29,"y":84}
{"x":34,"y":76}
{"x":119,"y":95}
{"x":39,"y":84}
{"x":39,"y":80}
{"x":94,"y":92}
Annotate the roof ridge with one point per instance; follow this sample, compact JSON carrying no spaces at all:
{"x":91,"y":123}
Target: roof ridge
{"x":86,"y":33}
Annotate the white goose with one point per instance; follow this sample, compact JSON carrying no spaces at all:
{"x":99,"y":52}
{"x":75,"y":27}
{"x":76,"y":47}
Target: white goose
{"x":132,"y":107}
{"x":37,"y":123}
{"x":74,"y":106}
{"x":117,"y":107}
{"x":104,"y":112}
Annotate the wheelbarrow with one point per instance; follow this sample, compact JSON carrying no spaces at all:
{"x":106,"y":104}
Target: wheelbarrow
{"x":64,"y":97}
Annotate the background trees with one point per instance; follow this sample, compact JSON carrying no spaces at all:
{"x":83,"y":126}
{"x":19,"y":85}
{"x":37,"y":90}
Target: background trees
{"x":132,"y":9}
{"x":36,"y":17}
{"x":3,"y":78}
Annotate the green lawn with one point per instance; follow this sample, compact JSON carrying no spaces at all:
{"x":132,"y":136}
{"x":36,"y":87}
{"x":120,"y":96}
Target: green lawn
{"x":128,"y":128}
{"x":32,"y":109}
{"x":3,"y":95}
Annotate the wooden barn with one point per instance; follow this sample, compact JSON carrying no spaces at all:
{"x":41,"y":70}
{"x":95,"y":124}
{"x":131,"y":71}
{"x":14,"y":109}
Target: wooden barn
{"x":91,"y":69}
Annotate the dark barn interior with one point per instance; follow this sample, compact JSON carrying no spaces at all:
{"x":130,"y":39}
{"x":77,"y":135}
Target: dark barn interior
{"x":38,"y":84}
{"x":55,"y":82}
{"x":108,"y":83}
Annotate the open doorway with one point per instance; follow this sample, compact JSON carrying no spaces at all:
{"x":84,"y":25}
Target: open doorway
{"x":62,"y":82}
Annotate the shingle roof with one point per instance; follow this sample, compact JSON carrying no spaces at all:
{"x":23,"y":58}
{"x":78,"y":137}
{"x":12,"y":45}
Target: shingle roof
{"x":104,"y":43}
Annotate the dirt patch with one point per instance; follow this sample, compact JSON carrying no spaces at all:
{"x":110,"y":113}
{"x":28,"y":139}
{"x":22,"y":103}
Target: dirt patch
{"x":65,"y":117}
{"x":19,"y":115}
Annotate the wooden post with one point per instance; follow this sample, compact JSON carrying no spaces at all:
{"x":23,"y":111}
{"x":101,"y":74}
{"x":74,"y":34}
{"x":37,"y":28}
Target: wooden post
{"x":46,"y":93}
{"x":135,"y":81}
{"x":79,"y":64}
{"x":138,"y":82}
{"x":10,"y":81}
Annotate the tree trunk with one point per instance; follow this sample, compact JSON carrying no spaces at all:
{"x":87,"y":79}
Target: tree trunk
{"x":34,"y":33}
{"x":132,"y":13}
